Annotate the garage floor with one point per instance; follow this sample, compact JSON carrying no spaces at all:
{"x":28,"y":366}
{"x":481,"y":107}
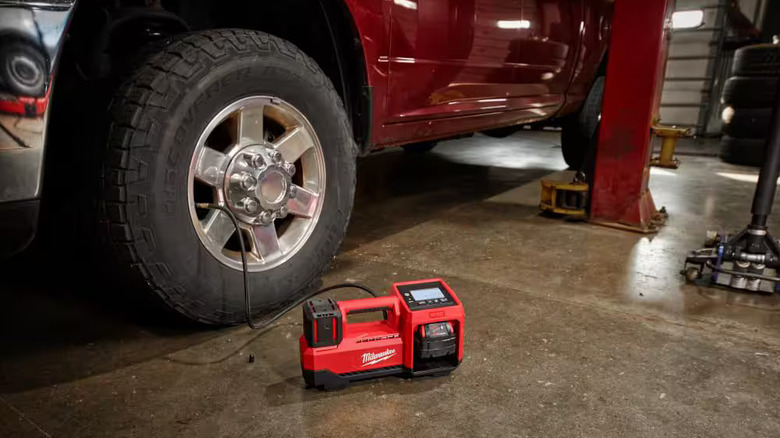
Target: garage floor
{"x":572,"y":329}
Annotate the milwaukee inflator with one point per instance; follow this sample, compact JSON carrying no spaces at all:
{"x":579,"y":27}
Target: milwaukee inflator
{"x":420,"y":334}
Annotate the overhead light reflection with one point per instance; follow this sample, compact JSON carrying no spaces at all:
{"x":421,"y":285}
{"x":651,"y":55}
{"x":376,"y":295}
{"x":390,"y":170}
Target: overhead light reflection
{"x":687,"y":19}
{"x":662,"y":172}
{"x":742,"y":177}
{"x":408,"y":4}
{"x":727,"y":115}
{"x":513,"y":24}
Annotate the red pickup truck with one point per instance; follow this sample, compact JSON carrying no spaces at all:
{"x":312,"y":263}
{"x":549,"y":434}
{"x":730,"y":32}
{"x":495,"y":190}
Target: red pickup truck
{"x":163,"y":106}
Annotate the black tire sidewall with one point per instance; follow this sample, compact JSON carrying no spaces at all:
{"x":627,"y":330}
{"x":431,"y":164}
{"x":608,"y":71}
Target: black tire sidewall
{"x":20,"y":48}
{"x":189,"y":277}
{"x":742,"y":151}
{"x":757,"y":60}
{"x":572,"y":145}
{"x":750,"y":123}
{"x":750,"y":92}
{"x":579,"y":129}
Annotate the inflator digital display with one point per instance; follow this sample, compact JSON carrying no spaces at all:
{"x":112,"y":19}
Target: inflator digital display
{"x":427,"y":294}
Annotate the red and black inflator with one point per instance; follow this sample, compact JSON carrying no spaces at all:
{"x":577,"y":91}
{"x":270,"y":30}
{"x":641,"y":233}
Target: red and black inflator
{"x":421,"y":334}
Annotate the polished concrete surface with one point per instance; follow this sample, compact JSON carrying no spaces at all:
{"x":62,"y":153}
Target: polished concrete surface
{"x":572,"y":329}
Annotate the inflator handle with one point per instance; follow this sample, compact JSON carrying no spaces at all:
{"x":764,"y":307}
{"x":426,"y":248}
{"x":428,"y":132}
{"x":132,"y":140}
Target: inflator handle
{"x":389,"y":303}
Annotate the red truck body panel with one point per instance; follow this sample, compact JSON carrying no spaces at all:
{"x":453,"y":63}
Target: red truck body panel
{"x":439,"y":68}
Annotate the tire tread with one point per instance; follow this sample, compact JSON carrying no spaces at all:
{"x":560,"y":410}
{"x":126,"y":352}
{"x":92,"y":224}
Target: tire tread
{"x":177,"y":60}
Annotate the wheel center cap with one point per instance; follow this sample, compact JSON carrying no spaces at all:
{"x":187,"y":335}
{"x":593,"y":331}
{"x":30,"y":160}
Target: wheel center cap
{"x":273,"y":186}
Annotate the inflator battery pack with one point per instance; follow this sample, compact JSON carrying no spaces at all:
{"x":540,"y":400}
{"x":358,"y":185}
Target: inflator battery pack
{"x":322,"y":322}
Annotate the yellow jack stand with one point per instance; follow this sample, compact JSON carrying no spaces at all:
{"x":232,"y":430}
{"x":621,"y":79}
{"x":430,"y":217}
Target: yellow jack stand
{"x":669,"y":136}
{"x":567,"y":198}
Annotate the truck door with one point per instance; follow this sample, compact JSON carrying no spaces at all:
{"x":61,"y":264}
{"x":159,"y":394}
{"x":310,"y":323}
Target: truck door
{"x":452,"y":58}
{"x":549,"y":39}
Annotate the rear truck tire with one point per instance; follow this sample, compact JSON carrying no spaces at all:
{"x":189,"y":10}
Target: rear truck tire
{"x":743,"y":151}
{"x":23,"y":69}
{"x":748,"y":123}
{"x":757,"y":60}
{"x":236,"y":117}
{"x":750,"y":92}
{"x":420,"y":148}
{"x":579,"y":129}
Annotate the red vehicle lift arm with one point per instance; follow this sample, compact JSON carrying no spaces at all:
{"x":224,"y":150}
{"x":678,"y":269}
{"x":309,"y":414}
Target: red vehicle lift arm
{"x":635,"y":71}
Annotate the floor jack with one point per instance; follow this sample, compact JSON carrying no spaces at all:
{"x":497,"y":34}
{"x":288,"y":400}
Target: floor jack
{"x":750,"y":259}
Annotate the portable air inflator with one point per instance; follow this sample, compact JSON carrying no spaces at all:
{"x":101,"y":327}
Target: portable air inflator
{"x":421,"y":334}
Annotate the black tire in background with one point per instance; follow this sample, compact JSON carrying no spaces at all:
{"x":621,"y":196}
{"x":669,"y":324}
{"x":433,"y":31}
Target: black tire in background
{"x":749,"y":123}
{"x":23,"y":69}
{"x":744,"y":151}
{"x":157,"y":117}
{"x":750,"y":92}
{"x":420,"y":148}
{"x":580,"y":129}
{"x":757,"y":60}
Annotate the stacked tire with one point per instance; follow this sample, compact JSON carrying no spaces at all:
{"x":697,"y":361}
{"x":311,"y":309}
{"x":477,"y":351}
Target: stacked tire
{"x":748,"y":98}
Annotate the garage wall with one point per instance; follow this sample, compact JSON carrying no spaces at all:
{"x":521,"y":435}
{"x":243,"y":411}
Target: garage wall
{"x":689,"y":67}
{"x":696,"y":67}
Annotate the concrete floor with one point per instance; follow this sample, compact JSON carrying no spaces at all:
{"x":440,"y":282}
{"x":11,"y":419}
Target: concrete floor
{"x":572,"y":329}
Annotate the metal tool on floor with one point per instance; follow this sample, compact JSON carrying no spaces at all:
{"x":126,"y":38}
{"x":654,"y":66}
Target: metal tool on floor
{"x":750,"y":259}
{"x":420,"y":334}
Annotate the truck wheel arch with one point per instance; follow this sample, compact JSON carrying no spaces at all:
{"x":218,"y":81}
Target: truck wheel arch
{"x":340,"y":54}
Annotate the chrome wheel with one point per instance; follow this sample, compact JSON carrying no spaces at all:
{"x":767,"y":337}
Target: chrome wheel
{"x":260,"y":158}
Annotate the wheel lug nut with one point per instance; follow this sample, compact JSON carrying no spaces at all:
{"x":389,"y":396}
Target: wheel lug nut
{"x":276,"y":156}
{"x":258,"y":161}
{"x":293,"y":191}
{"x":266,"y":217}
{"x":249,"y":205}
{"x":290,"y":169}
{"x":283,"y":212}
{"x":244,"y":181}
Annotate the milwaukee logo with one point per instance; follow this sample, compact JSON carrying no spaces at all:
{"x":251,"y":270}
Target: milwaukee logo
{"x":372,"y":358}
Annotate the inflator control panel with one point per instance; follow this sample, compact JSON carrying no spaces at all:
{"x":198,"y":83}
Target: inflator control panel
{"x":423,"y":296}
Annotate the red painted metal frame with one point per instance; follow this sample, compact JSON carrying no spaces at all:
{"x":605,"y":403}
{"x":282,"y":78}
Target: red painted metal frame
{"x":634,"y":79}
{"x":24,"y":106}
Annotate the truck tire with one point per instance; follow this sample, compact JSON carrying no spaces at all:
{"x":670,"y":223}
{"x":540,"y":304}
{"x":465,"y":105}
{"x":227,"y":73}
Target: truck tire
{"x":749,"y":123}
{"x":750,"y":92}
{"x":23,"y":69}
{"x":757,"y":60}
{"x":580,"y":129}
{"x":744,"y":151}
{"x":240,"y":115}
